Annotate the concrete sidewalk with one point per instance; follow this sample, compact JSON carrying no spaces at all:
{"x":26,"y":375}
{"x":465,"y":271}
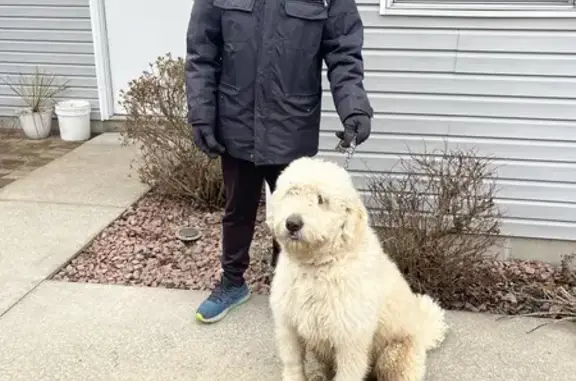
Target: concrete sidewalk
{"x":85,"y":332}
{"x":49,"y":215}
{"x":72,"y":332}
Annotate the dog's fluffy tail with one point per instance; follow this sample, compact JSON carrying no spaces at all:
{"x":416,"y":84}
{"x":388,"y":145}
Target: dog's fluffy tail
{"x":435,"y":328}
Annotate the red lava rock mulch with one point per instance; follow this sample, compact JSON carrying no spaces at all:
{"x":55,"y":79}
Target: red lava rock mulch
{"x":524,"y":287}
{"x":141,"y":248}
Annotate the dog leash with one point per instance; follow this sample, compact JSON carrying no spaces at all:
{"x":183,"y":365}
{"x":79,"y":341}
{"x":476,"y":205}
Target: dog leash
{"x":348,"y":151}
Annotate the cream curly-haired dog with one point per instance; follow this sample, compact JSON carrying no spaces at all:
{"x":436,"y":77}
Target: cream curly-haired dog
{"x":335,"y":294}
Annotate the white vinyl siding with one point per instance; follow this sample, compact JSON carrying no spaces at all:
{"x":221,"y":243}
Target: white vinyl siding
{"x":480,"y":8}
{"x":53,"y":35}
{"x":504,"y":86}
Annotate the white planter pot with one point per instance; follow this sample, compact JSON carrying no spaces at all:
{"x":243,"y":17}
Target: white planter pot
{"x":36,"y":125}
{"x":74,"y":120}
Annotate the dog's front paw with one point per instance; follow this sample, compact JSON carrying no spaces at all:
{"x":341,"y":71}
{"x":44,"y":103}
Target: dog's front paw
{"x":317,"y":372}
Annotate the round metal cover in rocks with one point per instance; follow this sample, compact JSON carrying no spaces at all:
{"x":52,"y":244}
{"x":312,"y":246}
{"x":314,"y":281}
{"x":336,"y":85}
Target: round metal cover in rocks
{"x":189,"y":234}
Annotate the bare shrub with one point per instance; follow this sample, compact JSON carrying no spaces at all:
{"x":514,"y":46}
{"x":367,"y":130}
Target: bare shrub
{"x":170,"y":162}
{"x":438,"y":221}
{"x":38,"y":90}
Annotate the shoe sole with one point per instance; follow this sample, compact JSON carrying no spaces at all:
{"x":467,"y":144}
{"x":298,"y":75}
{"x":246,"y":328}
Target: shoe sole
{"x":222,"y":314}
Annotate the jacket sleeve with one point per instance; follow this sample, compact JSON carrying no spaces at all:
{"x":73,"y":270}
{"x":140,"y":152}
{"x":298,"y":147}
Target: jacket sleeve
{"x":203,"y":62}
{"x":342,"y":42}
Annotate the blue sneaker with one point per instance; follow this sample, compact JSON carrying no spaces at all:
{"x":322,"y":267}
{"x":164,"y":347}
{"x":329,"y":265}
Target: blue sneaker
{"x":224,"y":297}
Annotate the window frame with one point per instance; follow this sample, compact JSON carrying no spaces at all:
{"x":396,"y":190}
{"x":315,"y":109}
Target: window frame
{"x":492,"y":9}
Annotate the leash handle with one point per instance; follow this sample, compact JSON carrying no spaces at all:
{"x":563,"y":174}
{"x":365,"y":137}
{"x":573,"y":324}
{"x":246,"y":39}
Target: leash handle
{"x":348,"y":151}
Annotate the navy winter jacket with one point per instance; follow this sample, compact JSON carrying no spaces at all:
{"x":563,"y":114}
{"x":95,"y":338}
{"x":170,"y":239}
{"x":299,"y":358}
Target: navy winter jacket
{"x":254,"y":67}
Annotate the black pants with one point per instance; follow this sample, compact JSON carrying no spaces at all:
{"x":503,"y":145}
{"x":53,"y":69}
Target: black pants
{"x":243,"y":187}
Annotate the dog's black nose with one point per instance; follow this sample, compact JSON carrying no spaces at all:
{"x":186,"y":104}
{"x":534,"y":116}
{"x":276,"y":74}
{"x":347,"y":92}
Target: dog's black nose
{"x":294,"y":223}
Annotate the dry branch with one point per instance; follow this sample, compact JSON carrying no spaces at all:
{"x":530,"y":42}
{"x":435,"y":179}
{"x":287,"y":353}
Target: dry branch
{"x":156,"y":106}
{"x":439,"y":220}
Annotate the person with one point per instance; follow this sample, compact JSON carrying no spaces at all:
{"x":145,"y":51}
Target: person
{"x":254,"y":94}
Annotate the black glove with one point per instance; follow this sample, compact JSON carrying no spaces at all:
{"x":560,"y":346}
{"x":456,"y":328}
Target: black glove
{"x":206,"y":142}
{"x":356,"y":125}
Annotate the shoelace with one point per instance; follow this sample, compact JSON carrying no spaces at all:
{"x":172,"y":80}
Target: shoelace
{"x":219,"y":293}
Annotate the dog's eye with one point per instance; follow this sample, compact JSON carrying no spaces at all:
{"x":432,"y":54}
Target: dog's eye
{"x":321,"y":200}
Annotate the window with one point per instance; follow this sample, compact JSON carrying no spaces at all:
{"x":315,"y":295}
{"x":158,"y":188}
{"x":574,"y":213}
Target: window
{"x":480,"y":8}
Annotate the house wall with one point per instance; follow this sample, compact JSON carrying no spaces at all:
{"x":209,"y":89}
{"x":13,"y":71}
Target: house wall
{"x":54,"y":35}
{"x":505,"y":86}
{"x":132,"y":49}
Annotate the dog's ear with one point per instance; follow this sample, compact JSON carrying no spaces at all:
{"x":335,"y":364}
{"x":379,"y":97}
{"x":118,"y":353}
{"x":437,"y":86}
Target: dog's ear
{"x":269,"y":221}
{"x":271,"y":201}
{"x":269,"y":209}
{"x":355,"y":223}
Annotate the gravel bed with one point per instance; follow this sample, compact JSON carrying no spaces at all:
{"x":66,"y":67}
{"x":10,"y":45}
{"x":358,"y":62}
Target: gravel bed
{"x":141,"y":249}
{"x":524,"y":287}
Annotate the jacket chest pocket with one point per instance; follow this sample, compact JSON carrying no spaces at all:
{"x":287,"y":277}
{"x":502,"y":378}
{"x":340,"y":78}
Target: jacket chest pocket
{"x":304,"y":23}
{"x":237,"y":19}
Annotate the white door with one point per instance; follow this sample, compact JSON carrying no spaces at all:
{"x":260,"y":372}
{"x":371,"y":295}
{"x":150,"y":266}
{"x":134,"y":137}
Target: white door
{"x":138,"y":32}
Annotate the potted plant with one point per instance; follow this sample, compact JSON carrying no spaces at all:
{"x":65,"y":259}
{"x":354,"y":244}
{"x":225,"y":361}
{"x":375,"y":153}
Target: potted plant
{"x":38,"y":91}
